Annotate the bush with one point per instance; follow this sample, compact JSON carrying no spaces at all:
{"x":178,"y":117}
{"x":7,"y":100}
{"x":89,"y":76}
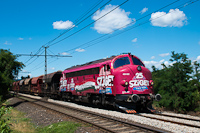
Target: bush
{"x":4,"y":126}
{"x":179,"y":90}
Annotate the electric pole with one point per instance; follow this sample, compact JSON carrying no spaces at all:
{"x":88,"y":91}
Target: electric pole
{"x":45,"y":73}
{"x":45,"y":55}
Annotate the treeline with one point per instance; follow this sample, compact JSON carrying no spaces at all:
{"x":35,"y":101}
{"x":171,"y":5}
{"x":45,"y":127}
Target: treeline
{"x":9,"y":68}
{"x":178,"y":84}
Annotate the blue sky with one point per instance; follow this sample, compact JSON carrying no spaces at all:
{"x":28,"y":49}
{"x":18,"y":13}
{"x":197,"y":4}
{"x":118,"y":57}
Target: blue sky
{"x":136,"y":26}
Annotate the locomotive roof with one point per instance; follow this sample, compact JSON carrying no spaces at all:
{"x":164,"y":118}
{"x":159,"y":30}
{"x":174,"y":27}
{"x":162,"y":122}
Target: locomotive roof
{"x":91,"y":63}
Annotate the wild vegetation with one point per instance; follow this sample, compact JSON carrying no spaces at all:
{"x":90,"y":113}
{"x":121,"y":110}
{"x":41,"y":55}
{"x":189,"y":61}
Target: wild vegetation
{"x":178,"y":84}
{"x":9,"y":68}
{"x":19,"y":123}
{"x":4,"y":126}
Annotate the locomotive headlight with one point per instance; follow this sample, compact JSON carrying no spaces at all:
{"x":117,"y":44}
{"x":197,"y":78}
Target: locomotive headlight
{"x":126,"y":83}
{"x":151,"y":82}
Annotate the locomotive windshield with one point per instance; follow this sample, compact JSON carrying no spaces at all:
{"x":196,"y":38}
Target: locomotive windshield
{"x":137,"y":61}
{"x":121,"y":61}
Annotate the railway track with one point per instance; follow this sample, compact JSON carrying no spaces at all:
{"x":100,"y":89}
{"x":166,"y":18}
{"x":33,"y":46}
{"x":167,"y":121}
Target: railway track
{"x":173,"y":119}
{"x":102,"y":122}
{"x":185,"y":118}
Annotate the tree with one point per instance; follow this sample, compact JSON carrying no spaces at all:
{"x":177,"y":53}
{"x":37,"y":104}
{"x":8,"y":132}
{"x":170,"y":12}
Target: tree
{"x":9,"y":68}
{"x":197,"y":72}
{"x":22,"y":77}
{"x":175,"y":84}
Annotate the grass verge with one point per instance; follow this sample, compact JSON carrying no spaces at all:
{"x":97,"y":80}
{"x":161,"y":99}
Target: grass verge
{"x":20,"y":124}
{"x":67,"y":127}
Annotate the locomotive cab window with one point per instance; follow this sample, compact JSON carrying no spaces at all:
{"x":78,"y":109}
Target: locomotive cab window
{"x":137,"y":61}
{"x":121,"y":62}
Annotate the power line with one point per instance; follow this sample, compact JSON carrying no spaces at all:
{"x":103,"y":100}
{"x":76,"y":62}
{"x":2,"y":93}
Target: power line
{"x":71,"y":27}
{"x":103,"y":39}
{"x":34,"y":54}
{"x":88,"y":24}
{"x":110,"y":36}
{"x":79,"y":19}
{"x":92,"y":22}
{"x":31,"y":58}
{"x":180,"y":6}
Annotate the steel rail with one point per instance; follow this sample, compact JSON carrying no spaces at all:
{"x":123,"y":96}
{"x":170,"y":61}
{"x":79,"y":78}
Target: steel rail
{"x":175,"y":122}
{"x":71,"y":116}
{"x":191,"y":119}
{"x":132,"y":124}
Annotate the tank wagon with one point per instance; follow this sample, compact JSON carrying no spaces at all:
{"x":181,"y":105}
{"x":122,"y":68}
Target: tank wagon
{"x":122,"y":81}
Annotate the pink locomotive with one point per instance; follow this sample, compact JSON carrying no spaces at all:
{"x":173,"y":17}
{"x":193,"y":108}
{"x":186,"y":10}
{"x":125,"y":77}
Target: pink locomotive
{"x":122,"y":81}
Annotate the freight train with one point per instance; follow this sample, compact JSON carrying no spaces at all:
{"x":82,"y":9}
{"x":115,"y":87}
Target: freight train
{"x":122,"y":81}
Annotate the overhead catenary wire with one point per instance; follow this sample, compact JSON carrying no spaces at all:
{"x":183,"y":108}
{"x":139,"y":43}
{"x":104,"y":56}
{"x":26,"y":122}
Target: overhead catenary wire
{"x":78,"y":19}
{"x":178,"y":7}
{"x":96,"y":39}
{"x":35,"y":55}
{"x":103,"y":39}
{"x":92,"y":22}
{"x":140,"y":24}
{"x":89,"y":24}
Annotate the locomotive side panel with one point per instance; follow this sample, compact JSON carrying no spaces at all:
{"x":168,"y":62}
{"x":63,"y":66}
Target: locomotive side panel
{"x":80,"y":82}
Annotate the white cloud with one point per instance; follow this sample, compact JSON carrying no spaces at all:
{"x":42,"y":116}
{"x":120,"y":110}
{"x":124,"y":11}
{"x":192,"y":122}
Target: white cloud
{"x":165,"y":54}
{"x":30,"y":38}
{"x":24,"y":71}
{"x":199,"y":42}
{"x":198,"y":58}
{"x":64,"y":53}
{"x":161,"y":61}
{"x":7,"y":43}
{"x":175,"y":18}
{"x":157,"y":64}
{"x":143,"y":10}
{"x":112,"y":21}
{"x":153,"y":57}
{"x":20,"y":38}
{"x":52,"y":68}
{"x":80,"y":50}
{"x":60,"y":25}
{"x":149,"y":64}
{"x":134,"y":40}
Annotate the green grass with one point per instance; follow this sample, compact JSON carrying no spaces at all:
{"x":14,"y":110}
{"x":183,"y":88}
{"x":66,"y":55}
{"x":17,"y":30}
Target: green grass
{"x":20,"y":124}
{"x":61,"y":127}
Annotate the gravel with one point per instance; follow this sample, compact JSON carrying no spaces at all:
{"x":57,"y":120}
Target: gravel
{"x":174,"y":119}
{"x":41,"y":117}
{"x":182,"y":115}
{"x":38,"y":115}
{"x":147,"y":121}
